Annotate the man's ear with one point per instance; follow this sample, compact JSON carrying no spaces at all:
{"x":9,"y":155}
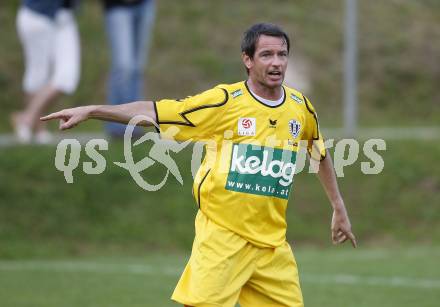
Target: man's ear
{"x":247,"y":61}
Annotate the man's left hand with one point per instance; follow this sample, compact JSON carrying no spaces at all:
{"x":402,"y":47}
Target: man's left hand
{"x":341,"y":227}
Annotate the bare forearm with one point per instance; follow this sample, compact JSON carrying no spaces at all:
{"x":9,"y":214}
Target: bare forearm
{"x":123,"y":113}
{"x":340,"y":226}
{"x":327,"y":177}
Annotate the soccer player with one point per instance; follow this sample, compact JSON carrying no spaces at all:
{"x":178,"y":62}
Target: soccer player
{"x":253,"y":131}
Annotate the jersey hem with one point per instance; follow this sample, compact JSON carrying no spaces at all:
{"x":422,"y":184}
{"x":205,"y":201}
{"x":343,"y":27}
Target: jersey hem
{"x":259,"y":244}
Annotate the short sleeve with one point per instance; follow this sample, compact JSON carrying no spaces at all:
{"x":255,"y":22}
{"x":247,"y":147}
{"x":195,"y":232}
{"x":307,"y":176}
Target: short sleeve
{"x":193,"y":118}
{"x":312,"y":134}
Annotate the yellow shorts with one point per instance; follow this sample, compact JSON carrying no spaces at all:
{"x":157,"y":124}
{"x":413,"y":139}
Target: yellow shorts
{"x":224,"y":268}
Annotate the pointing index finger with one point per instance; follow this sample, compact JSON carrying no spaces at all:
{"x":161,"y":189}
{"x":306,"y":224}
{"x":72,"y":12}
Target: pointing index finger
{"x":51,"y":116}
{"x":352,"y":238}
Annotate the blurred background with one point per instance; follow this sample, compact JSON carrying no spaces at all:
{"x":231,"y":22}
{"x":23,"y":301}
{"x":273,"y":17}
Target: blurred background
{"x":103,"y":241}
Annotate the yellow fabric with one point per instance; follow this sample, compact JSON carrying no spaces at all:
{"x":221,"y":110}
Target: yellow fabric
{"x":242,"y":188}
{"x":224,"y":268}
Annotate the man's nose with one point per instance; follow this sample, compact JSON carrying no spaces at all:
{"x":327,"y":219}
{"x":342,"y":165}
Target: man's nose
{"x":277,"y":61}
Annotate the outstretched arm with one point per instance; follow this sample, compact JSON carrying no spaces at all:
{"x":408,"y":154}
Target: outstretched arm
{"x":340,"y":227}
{"x":122,"y":113}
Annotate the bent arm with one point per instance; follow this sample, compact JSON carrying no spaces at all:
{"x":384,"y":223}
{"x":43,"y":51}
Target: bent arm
{"x":122,"y":113}
{"x":341,"y":226}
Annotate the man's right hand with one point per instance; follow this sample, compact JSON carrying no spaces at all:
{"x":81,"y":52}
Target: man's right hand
{"x":69,"y":118}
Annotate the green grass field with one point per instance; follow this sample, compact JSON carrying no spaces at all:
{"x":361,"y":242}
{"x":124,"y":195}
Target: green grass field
{"x":103,"y":241}
{"x":42,"y":215}
{"x":331,"y":277}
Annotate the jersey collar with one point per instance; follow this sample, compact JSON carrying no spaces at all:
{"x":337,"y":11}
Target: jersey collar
{"x":256,"y":99}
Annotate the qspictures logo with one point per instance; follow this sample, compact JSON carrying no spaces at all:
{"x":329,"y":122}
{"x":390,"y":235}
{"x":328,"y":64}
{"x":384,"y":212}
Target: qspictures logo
{"x":261,"y":170}
{"x":256,"y":168}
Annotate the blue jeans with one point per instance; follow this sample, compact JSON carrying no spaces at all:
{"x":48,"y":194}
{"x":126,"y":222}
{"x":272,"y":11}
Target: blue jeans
{"x":129,"y":33}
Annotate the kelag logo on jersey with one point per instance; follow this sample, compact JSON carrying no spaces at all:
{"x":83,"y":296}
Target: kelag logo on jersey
{"x":261,"y":170}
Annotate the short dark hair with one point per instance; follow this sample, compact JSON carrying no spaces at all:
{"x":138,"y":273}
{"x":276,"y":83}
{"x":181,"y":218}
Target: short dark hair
{"x":251,"y":36}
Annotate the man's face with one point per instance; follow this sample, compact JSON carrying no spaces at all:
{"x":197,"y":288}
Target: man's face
{"x":269,"y":63}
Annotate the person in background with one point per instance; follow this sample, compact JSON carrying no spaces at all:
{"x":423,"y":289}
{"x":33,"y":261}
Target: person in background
{"x":129,"y":26}
{"x":49,"y":35}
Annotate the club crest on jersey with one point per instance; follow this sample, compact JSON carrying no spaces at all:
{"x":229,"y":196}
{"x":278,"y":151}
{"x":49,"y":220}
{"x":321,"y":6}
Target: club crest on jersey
{"x":296,"y":98}
{"x":294,"y":128}
{"x":236,"y":93}
{"x":247,"y":126}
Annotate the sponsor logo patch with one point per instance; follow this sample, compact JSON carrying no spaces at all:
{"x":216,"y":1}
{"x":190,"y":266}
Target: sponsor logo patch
{"x":261,"y":170}
{"x":247,"y":126}
{"x":294,"y":128}
{"x":296,"y":98}
{"x":236,"y":93}
{"x":272,"y":123}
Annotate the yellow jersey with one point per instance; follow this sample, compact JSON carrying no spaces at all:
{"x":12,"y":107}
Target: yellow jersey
{"x":245,"y":178}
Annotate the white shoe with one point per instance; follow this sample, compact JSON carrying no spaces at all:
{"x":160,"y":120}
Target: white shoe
{"x":23,"y":133}
{"x":43,"y":137}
